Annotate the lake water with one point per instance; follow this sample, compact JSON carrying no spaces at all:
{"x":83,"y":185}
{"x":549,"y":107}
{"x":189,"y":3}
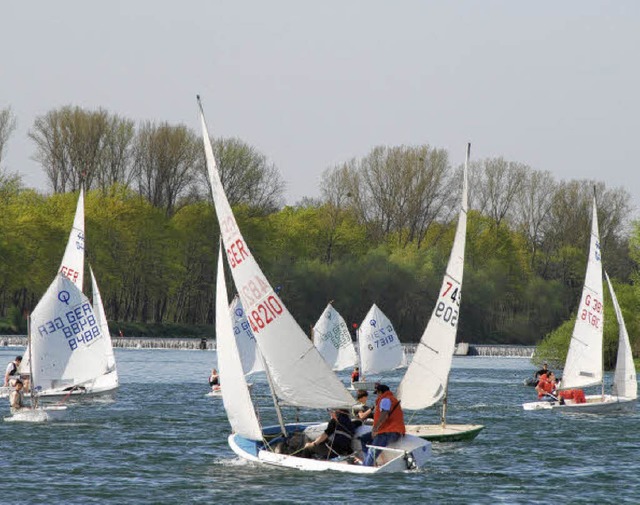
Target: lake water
{"x":164,"y":441}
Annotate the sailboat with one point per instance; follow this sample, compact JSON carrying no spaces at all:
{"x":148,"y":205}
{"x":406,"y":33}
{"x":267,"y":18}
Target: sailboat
{"x":332,"y":339}
{"x":583,"y":365}
{"x":104,"y":378}
{"x":426,"y":380}
{"x":245,"y":342}
{"x":379,"y":347}
{"x":297,"y":374}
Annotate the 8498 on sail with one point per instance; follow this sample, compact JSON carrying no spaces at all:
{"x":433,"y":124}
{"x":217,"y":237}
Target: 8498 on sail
{"x":78,"y":325}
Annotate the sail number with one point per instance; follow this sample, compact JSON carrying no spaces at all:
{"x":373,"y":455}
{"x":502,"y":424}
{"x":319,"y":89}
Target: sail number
{"x":70,"y":273}
{"x":446,"y":309}
{"x":592,"y":312}
{"x":382,"y":336}
{"x":79,"y":326}
{"x":265,"y":313}
{"x":337,"y":337}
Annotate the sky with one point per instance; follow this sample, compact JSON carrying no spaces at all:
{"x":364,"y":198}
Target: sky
{"x":555,"y":85}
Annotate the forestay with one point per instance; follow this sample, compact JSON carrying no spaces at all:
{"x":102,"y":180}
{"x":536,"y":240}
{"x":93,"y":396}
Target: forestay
{"x":235,"y":392}
{"x":98,"y":308}
{"x":245,"y":341}
{"x":63,"y":331}
{"x":332,"y":339}
{"x":380,"y":347}
{"x":624,"y":378}
{"x":425,"y":380}
{"x":583,"y":366}
{"x":300,"y":375}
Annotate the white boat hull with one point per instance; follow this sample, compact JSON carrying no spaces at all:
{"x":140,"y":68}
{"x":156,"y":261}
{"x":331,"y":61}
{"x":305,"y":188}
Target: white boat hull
{"x":595,"y":404}
{"x":106,"y":384}
{"x":366,"y":385}
{"x":409,"y":453}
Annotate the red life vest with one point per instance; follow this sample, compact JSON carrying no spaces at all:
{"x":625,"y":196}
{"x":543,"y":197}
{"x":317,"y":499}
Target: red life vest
{"x":395,"y":421}
{"x":545,"y":386}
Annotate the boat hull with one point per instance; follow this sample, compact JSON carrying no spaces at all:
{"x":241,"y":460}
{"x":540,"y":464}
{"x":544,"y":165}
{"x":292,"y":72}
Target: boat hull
{"x":595,"y":404}
{"x":105,"y":385}
{"x":446,"y":433}
{"x":409,"y":453}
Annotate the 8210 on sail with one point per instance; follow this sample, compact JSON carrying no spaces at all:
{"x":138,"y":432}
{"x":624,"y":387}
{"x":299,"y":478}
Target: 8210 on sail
{"x":78,"y":325}
{"x":447,"y":308}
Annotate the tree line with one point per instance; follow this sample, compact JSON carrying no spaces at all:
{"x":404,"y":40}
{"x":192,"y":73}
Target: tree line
{"x":380,"y":231}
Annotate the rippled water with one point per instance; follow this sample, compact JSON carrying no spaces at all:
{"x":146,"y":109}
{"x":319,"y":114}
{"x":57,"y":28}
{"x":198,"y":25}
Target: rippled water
{"x":164,"y":441}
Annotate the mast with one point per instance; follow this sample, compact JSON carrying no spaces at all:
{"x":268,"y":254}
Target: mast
{"x":602,"y":360}
{"x":33,"y":398}
{"x":276,"y":404}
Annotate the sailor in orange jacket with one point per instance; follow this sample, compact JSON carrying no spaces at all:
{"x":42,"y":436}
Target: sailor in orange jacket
{"x":388,"y":421}
{"x":546,"y":386}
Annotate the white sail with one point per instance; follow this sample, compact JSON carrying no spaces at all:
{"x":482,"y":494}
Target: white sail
{"x":624,"y":377}
{"x":235,"y":392}
{"x":300,"y":375}
{"x":425,"y":380}
{"x":245,"y":341}
{"x":583,"y":366}
{"x":332,"y":339}
{"x":98,"y":308}
{"x":64,"y":330}
{"x":380,"y":347}
{"x":72,"y":264}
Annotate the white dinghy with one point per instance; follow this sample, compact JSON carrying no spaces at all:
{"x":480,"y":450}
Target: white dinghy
{"x":296,"y":372}
{"x":332,"y":338}
{"x":583,"y":365}
{"x":426,"y":380}
{"x":379,"y":348}
{"x":104,"y":379}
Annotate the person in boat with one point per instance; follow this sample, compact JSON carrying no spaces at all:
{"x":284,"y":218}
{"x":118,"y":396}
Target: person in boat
{"x":214,"y":380}
{"x":388,"y":422}
{"x":543,"y":371}
{"x":11,"y":373}
{"x":335,"y":440}
{"x":16,"y":401}
{"x":361,"y":410}
{"x":355,"y":375}
{"x":546,"y":387}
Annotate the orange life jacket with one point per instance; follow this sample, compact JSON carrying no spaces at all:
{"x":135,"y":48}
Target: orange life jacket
{"x":545,"y":386}
{"x":395,"y":421}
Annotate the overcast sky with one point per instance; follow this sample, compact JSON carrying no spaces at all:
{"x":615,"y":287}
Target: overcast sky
{"x":555,"y":85}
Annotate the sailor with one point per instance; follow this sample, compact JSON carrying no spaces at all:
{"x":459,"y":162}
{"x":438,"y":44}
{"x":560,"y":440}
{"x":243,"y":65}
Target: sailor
{"x":388,"y":422}
{"x":12,"y":370}
{"x":335,"y":440}
{"x":15,"y":398}
{"x":355,"y":375}
{"x":361,"y":410}
{"x":214,"y":379}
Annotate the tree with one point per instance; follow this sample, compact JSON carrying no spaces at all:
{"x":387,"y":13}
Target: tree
{"x":8,"y":124}
{"x":166,"y":160}
{"x":77,"y":147}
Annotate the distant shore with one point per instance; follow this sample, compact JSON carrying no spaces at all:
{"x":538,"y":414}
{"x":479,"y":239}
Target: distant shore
{"x":203,"y":343}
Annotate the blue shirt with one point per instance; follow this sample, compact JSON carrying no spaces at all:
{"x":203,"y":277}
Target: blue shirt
{"x":385,"y":404}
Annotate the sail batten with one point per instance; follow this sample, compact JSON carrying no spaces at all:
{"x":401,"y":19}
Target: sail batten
{"x":306,"y":382}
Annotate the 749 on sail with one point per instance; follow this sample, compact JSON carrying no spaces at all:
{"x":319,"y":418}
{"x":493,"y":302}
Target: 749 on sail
{"x":448,"y":305}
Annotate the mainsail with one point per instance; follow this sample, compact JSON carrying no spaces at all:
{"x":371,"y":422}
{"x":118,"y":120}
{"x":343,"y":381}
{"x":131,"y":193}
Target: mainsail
{"x":63,"y":331}
{"x":624,"y":377}
{"x":583,"y":366}
{"x":332,"y":339}
{"x":300,"y":375}
{"x":235,"y":392}
{"x":72,"y":265}
{"x":380,"y":347}
{"x":425,"y":380}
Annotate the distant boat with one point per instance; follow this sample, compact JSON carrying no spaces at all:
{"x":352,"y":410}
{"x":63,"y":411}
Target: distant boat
{"x":583,"y":365}
{"x":379,"y":347}
{"x":69,"y":379}
{"x":332,"y":339}
{"x":297,"y":374}
{"x":426,"y":380}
